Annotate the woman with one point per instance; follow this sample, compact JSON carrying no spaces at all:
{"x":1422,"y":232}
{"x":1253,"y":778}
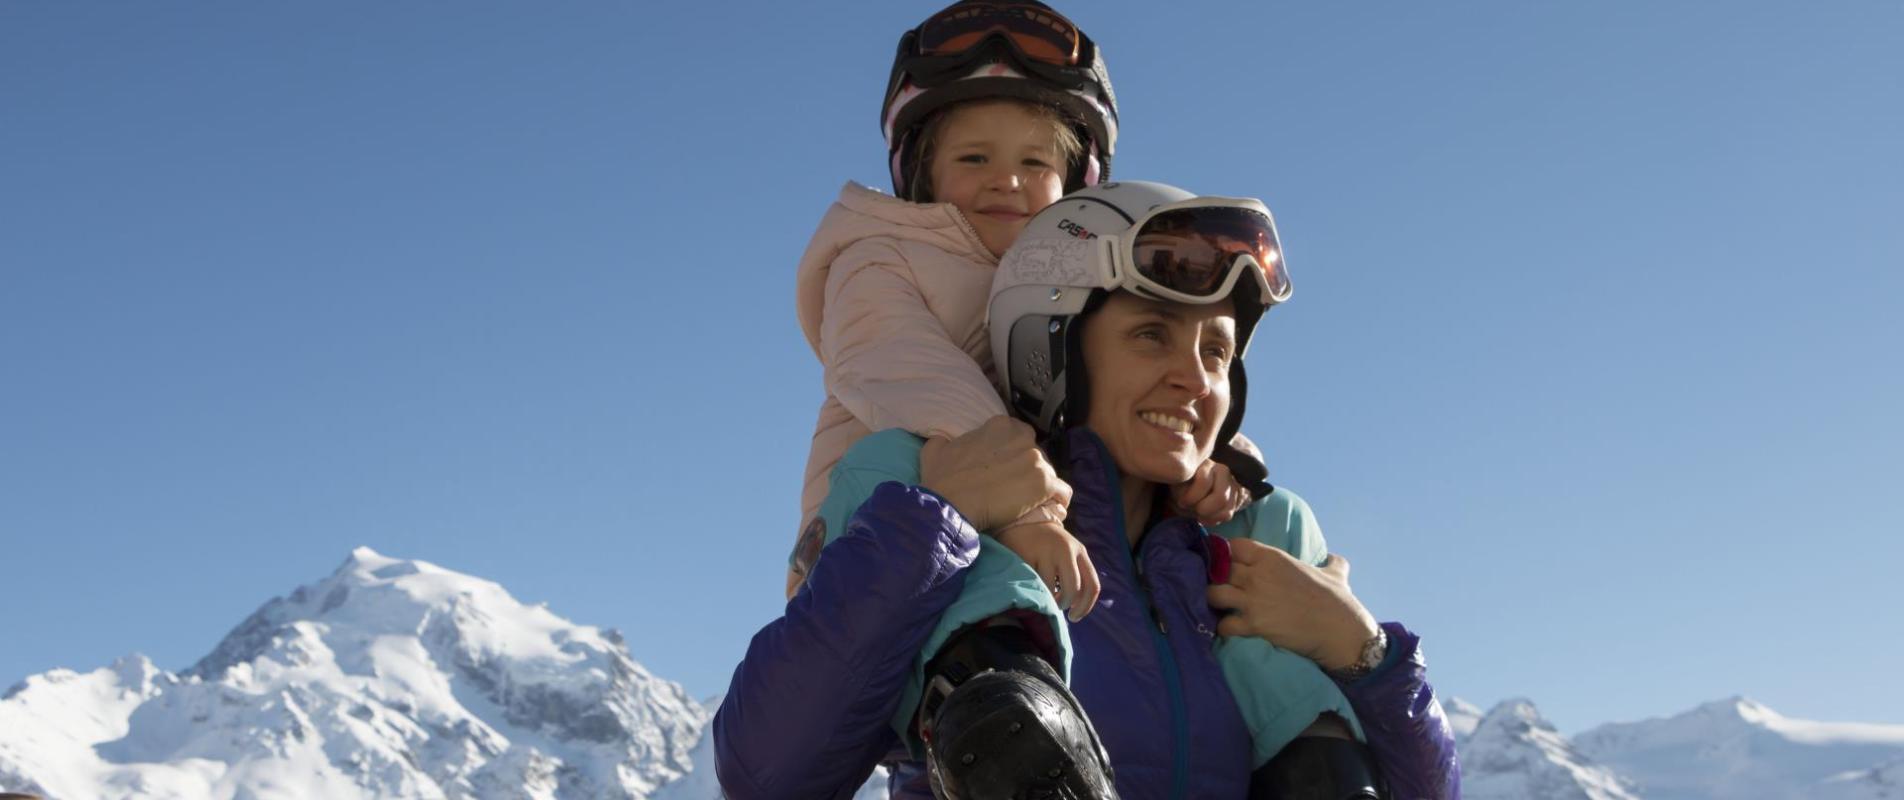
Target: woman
{"x":1129,"y":365}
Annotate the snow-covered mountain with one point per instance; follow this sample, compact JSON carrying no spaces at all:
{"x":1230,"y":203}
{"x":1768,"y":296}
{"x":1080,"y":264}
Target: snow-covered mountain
{"x":1736,"y":748}
{"x":387,"y":679}
{"x":1463,"y":716}
{"x":700,"y":784}
{"x":1513,"y":753}
{"x":1733,"y":749}
{"x":400,"y":679}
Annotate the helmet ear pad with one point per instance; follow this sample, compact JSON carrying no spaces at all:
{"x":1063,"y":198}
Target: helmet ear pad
{"x":1249,"y":471}
{"x":1077,"y":381}
{"x":1046,"y":385}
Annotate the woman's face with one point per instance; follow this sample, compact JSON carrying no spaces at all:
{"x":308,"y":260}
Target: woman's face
{"x":1160,"y":382}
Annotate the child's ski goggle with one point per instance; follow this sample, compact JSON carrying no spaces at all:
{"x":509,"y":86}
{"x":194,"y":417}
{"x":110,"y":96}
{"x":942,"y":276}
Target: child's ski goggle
{"x":1039,"y":34}
{"x":1196,"y":250}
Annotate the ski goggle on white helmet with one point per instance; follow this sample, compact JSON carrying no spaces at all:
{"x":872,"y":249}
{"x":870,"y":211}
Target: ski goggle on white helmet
{"x":1150,"y":239}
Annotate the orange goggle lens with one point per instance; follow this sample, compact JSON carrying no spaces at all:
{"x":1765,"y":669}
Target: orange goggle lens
{"x":1039,"y":33}
{"x":1194,"y":250}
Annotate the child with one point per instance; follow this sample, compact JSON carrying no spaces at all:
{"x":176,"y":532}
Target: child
{"x":992,"y":112}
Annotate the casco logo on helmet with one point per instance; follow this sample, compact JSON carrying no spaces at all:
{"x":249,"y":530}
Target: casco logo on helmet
{"x":1075,"y":229}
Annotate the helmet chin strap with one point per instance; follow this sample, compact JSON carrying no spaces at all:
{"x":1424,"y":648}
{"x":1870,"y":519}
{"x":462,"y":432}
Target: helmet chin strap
{"x":1248,"y":471}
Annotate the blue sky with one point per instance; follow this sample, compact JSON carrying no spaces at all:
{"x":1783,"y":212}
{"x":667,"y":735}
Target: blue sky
{"x":1591,"y":368}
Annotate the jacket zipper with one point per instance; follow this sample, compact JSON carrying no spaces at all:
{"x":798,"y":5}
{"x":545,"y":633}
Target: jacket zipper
{"x":971,"y":233}
{"x":1179,"y":716}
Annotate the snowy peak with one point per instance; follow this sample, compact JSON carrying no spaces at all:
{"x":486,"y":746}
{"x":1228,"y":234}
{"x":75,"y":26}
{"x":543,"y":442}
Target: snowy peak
{"x":1463,"y":717}
{"x":1735,"y":710}
{"x":375,"y":595}
{"x":1740,"y":748}
{"x":388,"y":678}
{"x":1516,"y":754}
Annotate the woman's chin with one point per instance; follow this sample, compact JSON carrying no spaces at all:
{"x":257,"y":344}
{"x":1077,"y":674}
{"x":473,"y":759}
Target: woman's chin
{"x":1161,"y":468}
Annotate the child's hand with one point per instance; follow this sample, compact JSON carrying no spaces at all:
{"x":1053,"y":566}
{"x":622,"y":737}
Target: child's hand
{"x":993,"y":475}
{"x":1060,"y":559}
{"x":1212,"y":495}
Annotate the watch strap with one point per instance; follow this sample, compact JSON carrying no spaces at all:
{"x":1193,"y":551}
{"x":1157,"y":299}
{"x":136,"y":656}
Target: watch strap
{"x":1374,"y":651}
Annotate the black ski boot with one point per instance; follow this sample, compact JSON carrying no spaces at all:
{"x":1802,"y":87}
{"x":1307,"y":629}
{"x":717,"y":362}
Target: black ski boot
{"x":1319,"y":768}
{"x":999,"y":724}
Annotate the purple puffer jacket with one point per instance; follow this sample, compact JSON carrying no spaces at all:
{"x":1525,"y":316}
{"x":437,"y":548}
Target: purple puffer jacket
{"x":807,"y":714}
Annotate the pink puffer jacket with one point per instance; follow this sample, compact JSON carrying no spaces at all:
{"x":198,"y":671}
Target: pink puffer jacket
{"x":892,"y":299}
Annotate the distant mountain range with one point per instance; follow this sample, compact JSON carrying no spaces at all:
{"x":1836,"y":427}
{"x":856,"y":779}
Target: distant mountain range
{"x":399,"y":679}
{"x":1734,"y":749}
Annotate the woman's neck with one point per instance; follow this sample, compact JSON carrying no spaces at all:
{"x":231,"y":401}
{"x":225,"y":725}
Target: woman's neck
{"x":1139,"y":498}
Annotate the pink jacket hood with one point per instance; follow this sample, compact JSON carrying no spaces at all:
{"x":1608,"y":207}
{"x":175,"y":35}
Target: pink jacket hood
{"x":861,"y":213}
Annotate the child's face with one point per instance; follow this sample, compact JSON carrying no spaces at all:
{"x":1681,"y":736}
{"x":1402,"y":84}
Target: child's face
{"x":999,"y":163}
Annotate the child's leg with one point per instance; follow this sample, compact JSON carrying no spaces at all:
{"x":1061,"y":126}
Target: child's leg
{"x":1001,"y":706}
{"x":998,"y":721}
{"x":991,"y":679}
{"x":1281,"y":694}
{"x":1296,"y":716}
{"x":998,"y":582}
{"x":1319,"y":767}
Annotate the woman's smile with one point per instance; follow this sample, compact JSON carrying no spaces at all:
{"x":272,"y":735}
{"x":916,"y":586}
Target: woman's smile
{"x":1171,"y":422}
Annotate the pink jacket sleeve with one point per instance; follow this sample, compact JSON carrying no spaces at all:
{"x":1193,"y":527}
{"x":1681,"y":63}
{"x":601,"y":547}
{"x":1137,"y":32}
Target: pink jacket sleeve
{"x":888,"y":358}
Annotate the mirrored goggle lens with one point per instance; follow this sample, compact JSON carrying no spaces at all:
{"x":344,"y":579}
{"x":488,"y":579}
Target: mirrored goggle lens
{"x":1194,"y":250}
{"x":1037,"y":32}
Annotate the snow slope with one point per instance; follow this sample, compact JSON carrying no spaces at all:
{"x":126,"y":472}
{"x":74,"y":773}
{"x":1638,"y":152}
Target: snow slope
{"x":1463,"y":716}
{"x":700,"y":783}
{"x":1515,"y":754}
{"x":389,"y":678}
{"x":1737,"y":748}
{"x":1884,"y":782}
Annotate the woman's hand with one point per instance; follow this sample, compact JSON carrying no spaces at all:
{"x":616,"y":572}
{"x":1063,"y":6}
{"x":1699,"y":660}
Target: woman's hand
{"x":1212,"y":494}
{"x":1306,"y":610}
{"x":993,"y":475}
{"x":1060,"y":561}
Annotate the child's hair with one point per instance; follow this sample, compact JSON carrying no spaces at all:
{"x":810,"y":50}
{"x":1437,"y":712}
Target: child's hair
{"x":1070,"y":145}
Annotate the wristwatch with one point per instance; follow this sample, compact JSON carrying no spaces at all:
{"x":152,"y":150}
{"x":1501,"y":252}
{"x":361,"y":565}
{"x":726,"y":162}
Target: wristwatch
{"x":1373,"y":652}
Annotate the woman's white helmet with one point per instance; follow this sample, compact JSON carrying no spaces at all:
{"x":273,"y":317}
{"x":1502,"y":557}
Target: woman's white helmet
{"x":1065,"y":262}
